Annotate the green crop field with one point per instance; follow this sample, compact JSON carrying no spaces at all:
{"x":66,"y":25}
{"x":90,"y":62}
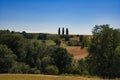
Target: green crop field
{"x":41,"y":77}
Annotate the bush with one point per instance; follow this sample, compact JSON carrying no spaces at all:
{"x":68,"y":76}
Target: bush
{"x":46,"y":61}
{"x":52,"y":70}
{"x":67,"y":38}
{"x":34,"y":71}
{"x":20,"y":68}
{"x":62,"y":59}
{"x":42,"y":36}
{"x":75,"y":69}
{"x":57,"y":41}
{"x":82,"y":65}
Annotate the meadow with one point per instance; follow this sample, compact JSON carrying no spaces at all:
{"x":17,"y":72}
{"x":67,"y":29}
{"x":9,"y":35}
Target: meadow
{"x":41,"y":77}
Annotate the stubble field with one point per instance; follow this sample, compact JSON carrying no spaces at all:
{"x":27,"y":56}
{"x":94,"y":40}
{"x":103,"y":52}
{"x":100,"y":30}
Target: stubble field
{"x":41,"y":77}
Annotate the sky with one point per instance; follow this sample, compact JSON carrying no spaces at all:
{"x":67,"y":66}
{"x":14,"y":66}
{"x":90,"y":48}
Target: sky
{"x":46,"y":16}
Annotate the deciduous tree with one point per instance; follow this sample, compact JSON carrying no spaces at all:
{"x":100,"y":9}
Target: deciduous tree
{"x":102,"y":57}
{"x":7,"y":59}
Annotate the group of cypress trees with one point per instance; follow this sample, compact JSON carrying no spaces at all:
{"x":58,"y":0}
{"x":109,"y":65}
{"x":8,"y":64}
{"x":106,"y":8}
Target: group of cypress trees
{"x":59,"y":31}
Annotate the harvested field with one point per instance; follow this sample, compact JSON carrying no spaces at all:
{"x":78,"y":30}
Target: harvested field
{"x":77,"y":52}
{"x":41,"y":77}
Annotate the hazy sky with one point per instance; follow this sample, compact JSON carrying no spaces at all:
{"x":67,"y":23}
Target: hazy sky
{"x":80,"y":16}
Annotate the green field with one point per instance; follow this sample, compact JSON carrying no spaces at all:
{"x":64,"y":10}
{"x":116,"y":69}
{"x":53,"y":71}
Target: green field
{"x":41,"y":77}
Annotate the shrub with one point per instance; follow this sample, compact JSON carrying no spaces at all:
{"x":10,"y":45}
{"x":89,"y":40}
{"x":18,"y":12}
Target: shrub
{"x":67,"y":38}
{"x":75,"y":69}
{"x":82,"y":65}
{"x":62,"y":59}
{"x":46,"y":61}
{"x":34,"y":71}
{"x":57,"y":41}
{"x":19,"y":67}
{"x":52,"y":70}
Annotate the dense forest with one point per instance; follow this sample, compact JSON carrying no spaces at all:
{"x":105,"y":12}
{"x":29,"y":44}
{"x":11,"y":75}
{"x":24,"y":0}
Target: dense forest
{"x":22,"y":52}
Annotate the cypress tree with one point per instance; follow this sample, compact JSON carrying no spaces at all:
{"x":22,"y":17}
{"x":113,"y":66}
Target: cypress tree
{"x":59,"y":31}
{"x":67,"y":32}
{"x":81,"y":37}
{"x":63,"y":31}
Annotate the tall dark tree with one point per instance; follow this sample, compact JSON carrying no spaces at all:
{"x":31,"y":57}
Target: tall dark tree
{"x":59,"y":31}
{"x":63,"y":31}
{"x":67,"y":31}
{"x":81,"y":38}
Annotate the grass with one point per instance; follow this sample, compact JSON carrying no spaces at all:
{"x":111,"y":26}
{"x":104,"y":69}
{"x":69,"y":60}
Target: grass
{"x":41,"y":77}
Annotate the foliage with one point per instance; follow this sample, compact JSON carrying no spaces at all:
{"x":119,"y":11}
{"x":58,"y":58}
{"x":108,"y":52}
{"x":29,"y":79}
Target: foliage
{"x":7,"y":59}
{"x":74,"y":69}
{"x":42,"y":36}
{"x":22,"y":55}
{"x":52,"y":70}
{"x":57,"y":41}
{"x":63,"y":31}
{"x":67,"y":38}
{"x":34,"y":71}
{"x":15,"y":42}
{"x":46,"y":61}
{"x":85,"y":42}
{"x":52,"y":37}
{"x":28,"y":35}
{"x":81,"y":38}
{"x":19,"y":67}
{"x":33,"y":54}
{"x":67,"y":31}
{"x":59,"y":31}
{"x":62,"y":59}
{"x":103,"y":59}
{"x":82,"y":65}
{"x":4,"y":32}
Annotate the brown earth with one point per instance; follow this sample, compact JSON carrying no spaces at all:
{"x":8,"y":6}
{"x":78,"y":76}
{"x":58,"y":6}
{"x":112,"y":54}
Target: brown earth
{"x":77,"y":52}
